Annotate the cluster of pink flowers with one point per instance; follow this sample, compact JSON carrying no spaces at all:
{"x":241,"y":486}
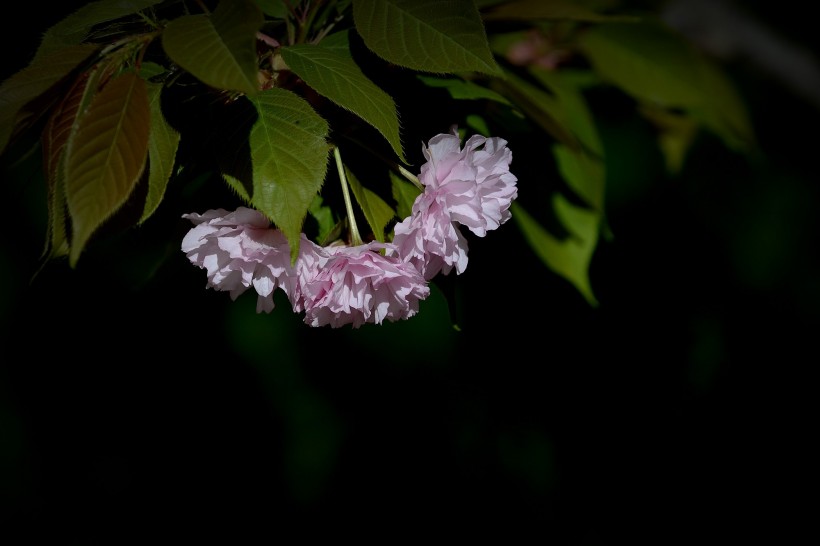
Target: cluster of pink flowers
{"x":369,"y":283}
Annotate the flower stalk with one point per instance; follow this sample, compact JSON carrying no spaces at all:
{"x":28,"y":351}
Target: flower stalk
{"x":355,"y":237}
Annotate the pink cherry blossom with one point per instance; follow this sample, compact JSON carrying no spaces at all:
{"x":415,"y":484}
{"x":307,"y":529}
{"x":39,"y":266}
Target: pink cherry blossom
{"x":334,"y":285}
{"x":429,"y":239}
{"x":475,"y":183}
{"x":357,"y":285}
{"x":374,"y":282}
{"x":471,"y":187}
{"x":238,"y":250}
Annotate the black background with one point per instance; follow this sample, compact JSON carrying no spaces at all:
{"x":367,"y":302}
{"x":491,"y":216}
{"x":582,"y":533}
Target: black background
{"x":679,"y":411}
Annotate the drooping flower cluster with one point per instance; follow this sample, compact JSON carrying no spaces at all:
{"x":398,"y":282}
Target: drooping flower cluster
{"x":333,"y":285}
{"x":471,"y":187}
{"x":368,"y":283}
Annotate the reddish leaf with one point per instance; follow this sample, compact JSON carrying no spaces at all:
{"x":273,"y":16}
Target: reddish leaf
{"x":106,"y":155}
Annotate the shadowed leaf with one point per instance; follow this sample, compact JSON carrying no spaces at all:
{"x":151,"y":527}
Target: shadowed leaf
{"x":53,"y":141}
{"x":542,"y":107}
{"x":553,"y":10}
{"x":323,"y":216}
{"x":583,"y":173}
{"x":57,"y":236}
{"x":274,"y":8}
{"x":105,"y":156}
{"x":657,"y":66}
{"x":218,"y":49}
{"x":405,"y":193}
{"x":426,"y":35}
{"x":73,"y":29}
{"x":376,"y":211}
{"x":463,"y":89}
{"x":34,"y":80}
{"x":582,"y":168}
{"x":570,"y":257}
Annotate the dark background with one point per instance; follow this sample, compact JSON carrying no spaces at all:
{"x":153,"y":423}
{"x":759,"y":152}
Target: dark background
{"x":679,"y":411}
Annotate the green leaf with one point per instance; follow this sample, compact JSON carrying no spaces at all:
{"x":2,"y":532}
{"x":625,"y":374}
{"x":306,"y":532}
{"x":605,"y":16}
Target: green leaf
{"x":478,"y":124}
{"x":289,"y":152}
{"x":581,"y":167}
{"x":323,"y":216}
{"x":105,"y":156}
{"x":463,"y":89}
{"x":34,"y":80}
{"x":273,"y":8}
{"x":338,"y":41}
{"x":148,"y":70}
{"x":428,"y":36}
{"x":658,"y":66}
{"x":541,"y":107}
{"x":163,"y":142}
{"x":583,"y":173}
{"x":553,"y":10}
{"x":405,"y":193}
{"x":218,"y":49}
{"x":337,"y":77}
{"x":724,"y":112}
{"x":75,"y":28}
{"x":376,"y":211}
{"x":571,"y":106}
{"x":645,"y":60}
{"x":570,"y":257}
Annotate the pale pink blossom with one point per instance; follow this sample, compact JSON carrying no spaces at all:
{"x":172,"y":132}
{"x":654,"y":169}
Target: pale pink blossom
{"x":429,"y":239}
{"x":238,"y":250}
{"x":358,"y":285}
{"x":470,"y":186}
{"x":334,"y":285}
{"x":473,"y":183}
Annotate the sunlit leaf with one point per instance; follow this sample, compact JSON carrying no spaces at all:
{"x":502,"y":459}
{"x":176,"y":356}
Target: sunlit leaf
{"x":376,"y":211}
{"x":75,"y":28}
{"x":163,"y":141}
{"x":34,"y":80}
{"x":428,"y":35}
{"x":570,"y":257}
{"x":658,"y":66}
{"x":405,"y":193}
{"x":336,"y":76}
{"x":105,"y":156}
{"x":554,"y":10}
{"x":463,"y":89}
{"x":218,"y":49}
{"x":289,"y":152}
